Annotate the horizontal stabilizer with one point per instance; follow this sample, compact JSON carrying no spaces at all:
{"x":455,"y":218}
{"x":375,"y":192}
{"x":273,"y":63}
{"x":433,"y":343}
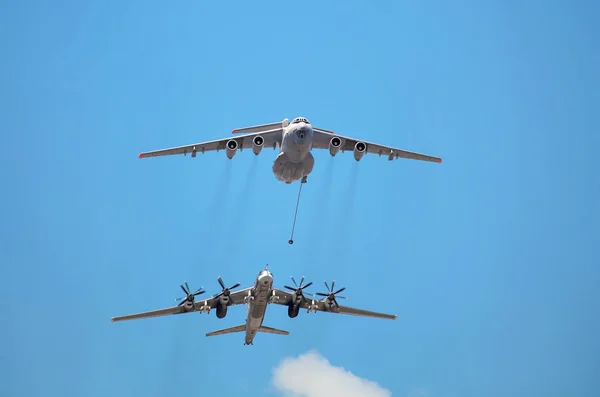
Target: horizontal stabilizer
{"x":238,"y":328}
{"x":270,"y":330}
{"x":257,"y":128}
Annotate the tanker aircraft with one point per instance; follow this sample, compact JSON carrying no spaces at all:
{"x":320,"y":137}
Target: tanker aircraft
{"x":256,"y":298}
{"x":295,"y":141}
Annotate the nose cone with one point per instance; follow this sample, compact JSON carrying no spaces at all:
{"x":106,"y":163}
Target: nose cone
{"x":265,"y":278}
{"x":303,"y":133}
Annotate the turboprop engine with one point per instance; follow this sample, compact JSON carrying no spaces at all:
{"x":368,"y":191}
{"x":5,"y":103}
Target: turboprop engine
{"x":223,"y":297}
{"x":334,"y":145}
{"x":257,"y":144}
{"x":221,"y":309}
{"x":232,"y":146}
{"x":298,"y":297}
{"x":359,"y":150}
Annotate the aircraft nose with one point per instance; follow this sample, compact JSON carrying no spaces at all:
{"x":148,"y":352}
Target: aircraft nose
{"x":266,"y":279}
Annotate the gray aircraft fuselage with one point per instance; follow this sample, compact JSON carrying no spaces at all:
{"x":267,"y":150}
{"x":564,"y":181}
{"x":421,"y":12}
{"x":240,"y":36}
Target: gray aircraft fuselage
{"x":256,"y":305}
{"x":294,"y":160}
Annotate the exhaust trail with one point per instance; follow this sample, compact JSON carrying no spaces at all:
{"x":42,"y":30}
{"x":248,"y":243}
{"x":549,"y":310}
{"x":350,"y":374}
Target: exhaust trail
{"x":346,"y":218}
{"x":319,"y":215}
{"x":237,"y":224}
{"x":212,"y":215}
{"x":210,"y":228}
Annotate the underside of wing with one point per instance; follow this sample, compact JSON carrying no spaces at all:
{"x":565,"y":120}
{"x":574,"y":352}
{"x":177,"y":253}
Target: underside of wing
{"x":324,"y":139}
{"x":364,"y":313}
{"x":256,"y":141}
{"x":234,"y":298}
{"x":325,"y":305}
{"x":185,"y":308}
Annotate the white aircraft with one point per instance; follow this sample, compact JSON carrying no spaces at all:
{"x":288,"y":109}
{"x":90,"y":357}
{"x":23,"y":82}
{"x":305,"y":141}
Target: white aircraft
{"x":295,"y":140}
{"x":256,"y":299}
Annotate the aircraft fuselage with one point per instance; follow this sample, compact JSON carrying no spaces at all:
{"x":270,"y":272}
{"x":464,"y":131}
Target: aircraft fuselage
{"x":256,"y":306}
{"x":294,"y":160}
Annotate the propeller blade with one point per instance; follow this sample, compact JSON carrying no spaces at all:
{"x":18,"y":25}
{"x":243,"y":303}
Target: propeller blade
{"x":321,"y":294}
{"x":334,"y":301}
{"x":341,"y":297}
{"x":221,"y":282}
{"x":218,"y":295}
{"x":290,"y":288}
{"x":301,"y":281}
{"x":338,"y":291}
{"x":294,"y":281}
{"x":187,"y":287}
{"x":307,"y":285}
{"x":327,"y":285}
{"x":198,"y":293}
{"x":235,"y":286}
{"x":183,"y":289}
{"x":332,"y":286}
{"x":181,"y":303}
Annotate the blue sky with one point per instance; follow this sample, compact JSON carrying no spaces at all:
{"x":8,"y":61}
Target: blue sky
{"x":490,"y":260}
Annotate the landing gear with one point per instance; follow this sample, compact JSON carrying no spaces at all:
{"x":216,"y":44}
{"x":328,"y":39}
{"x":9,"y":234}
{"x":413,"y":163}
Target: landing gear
{"x":304,"y":178}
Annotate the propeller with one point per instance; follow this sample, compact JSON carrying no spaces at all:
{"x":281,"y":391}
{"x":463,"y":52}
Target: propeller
{"x":225,"y":291}
{"x":332,"y":295}
{"x":189,"y":297}
{"x":299,"y":288}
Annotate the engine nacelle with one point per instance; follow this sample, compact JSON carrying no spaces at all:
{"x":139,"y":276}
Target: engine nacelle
{"x":231,"y":148}
{"x":257,"y":144}
{"x":221,"y":310}
{"x":359,"y":150}
{"x":334,"y":145}
{"x":293,"y":310}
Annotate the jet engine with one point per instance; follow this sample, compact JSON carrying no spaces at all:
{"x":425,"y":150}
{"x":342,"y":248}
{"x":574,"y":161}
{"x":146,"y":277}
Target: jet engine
{"x":334,"y":145}
{"x":232,"y":146}
{"x":221,"y":310}
{"x":257,"y":144}
{"x":359,"y":150}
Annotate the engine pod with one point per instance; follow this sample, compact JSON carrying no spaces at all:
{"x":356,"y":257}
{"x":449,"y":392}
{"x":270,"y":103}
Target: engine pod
{"x":231,"y":148}
{"x":359,"y":150}
{"x":334,"y":145}
{"x":257,"y":144}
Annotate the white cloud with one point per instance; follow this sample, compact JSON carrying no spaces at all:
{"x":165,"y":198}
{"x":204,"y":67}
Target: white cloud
{"x":311,"y":375}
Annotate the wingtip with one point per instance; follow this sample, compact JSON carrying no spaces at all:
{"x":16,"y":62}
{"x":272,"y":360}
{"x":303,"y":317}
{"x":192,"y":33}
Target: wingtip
{"x":440,"y":161}
{"x":233,"y":131}
{"x":141,"y":155}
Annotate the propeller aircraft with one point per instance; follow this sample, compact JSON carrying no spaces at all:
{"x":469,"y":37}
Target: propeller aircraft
{"x":256,"y":298}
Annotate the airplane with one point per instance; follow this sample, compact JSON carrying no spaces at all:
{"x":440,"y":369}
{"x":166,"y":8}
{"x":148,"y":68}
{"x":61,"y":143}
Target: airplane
{"x":256,"y":298}
{"x":295,"y":140}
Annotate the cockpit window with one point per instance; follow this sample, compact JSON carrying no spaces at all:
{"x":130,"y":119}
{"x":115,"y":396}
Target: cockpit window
{"x":300,"y":119}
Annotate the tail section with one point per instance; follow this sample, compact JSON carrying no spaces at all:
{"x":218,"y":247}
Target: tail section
{"x":270,"y":330}
{"x":238,"y":328}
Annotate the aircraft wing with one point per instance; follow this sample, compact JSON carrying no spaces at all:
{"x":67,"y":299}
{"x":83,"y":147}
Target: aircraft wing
{"x":321,"y":139}
{"x":324,"y":305}
{"x":271,"y":138}
{"x":235,"y":298}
